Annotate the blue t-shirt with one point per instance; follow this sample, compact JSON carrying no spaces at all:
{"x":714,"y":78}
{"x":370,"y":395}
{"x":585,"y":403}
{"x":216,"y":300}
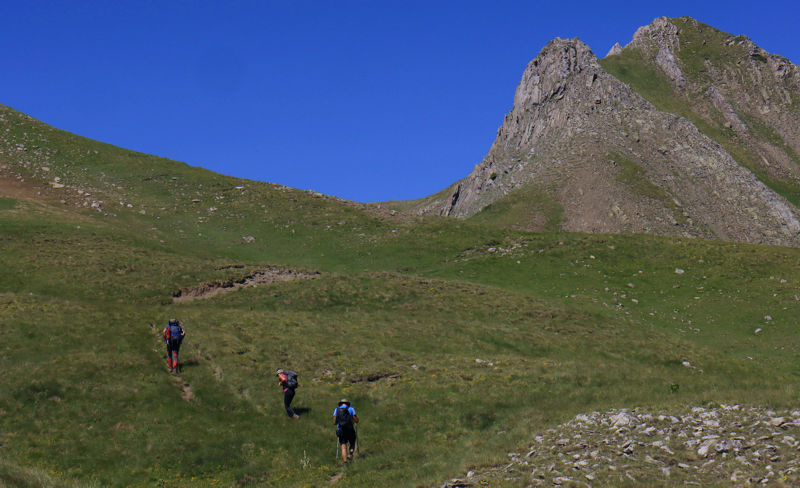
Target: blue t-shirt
{"x":349,"y":409}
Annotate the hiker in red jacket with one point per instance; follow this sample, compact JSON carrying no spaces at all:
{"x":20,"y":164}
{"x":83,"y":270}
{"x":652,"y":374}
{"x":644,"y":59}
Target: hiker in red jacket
{"x":173,"y":335}
{"x":288,"y":381}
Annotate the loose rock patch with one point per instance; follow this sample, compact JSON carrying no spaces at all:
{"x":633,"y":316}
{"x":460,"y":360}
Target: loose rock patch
{"x":730,"y":444}
{"x":266,"y":276}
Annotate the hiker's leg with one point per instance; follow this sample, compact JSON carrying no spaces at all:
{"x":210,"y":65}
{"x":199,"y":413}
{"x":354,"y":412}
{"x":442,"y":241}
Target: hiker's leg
{"x":288,"y":396}
{"x":169,"y":356}
{"x":343,"y":445}
{"x":175,"y":348}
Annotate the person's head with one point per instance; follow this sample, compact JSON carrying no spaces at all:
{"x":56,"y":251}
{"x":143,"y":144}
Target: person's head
{"x":278,"y":372}
{"x":344,"y":401}
{"x":173,"y":321}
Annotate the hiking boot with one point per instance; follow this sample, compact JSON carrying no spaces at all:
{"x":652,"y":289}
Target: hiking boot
{"x":295,"y":416}
{"x":350,"y":456}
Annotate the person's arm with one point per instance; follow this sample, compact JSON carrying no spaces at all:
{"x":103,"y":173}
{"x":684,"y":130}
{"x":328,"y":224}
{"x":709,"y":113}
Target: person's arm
{"x":355,"y":418}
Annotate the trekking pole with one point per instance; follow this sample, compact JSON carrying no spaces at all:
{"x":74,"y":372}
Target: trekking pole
{"x":358,"y":440}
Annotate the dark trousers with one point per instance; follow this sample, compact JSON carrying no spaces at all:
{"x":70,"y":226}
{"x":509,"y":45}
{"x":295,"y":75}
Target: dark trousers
{"x":347,"y":436}
{"x":288,"y":396}
{"x":173,"y":347}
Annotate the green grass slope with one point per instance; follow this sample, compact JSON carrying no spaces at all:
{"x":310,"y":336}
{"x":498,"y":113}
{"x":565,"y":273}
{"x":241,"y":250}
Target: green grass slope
{"x":454,"y":340}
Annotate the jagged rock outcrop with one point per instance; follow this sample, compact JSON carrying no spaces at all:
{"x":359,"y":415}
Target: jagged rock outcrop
{"x":661,"y":37}
{"x":615,"y":49}
{"x":614,"y":162}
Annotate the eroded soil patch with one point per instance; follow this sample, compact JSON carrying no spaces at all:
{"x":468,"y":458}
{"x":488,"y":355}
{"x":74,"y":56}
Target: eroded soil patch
{"x":265,"y":276}
{"x":186,"y":389}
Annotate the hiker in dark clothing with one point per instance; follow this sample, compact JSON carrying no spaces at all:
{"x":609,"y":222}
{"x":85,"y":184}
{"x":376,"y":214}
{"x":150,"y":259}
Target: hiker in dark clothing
{"x":288,"y":381}
{"x":345,"y":420}
{"x":173,"y":335}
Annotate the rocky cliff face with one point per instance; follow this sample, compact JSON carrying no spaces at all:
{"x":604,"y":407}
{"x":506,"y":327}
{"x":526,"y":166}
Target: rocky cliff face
{"x":614,"y":162}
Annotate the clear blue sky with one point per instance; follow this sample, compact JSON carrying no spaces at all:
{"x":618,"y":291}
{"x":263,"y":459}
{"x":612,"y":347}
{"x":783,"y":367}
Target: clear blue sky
{"x":366,"y":100}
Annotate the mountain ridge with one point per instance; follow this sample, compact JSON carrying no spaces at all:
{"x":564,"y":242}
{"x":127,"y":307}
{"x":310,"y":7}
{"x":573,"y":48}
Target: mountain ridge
{"x":663,"y":174}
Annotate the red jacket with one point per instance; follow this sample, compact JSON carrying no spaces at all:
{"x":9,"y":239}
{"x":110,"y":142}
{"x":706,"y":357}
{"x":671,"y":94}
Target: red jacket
{"x":283,"y":381}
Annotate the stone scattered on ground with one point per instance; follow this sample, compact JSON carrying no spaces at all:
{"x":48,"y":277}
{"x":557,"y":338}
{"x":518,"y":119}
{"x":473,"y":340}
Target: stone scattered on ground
{"x":729,"y":444}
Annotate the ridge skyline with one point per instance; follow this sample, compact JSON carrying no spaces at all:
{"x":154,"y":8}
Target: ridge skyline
{"x":343,"y":137}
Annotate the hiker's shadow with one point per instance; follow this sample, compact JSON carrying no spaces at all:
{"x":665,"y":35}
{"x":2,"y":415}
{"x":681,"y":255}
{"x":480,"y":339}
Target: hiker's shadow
{"x":191,"y":363}
{"x":301,"y":410}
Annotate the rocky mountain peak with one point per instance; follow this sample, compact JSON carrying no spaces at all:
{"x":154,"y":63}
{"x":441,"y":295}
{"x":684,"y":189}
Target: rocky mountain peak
{"x":547,"y":74}
{"x":588,"y":151}
{"x":661,"y":32}
{"x":659,"y":41}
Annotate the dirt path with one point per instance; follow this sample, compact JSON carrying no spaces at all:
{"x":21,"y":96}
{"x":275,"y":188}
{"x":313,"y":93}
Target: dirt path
{"x":336,"y":477}
{"x":266,"y":276}
{"x":187,"y":393}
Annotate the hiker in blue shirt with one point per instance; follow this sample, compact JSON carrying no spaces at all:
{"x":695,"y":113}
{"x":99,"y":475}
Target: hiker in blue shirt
{"x":345,"y":419}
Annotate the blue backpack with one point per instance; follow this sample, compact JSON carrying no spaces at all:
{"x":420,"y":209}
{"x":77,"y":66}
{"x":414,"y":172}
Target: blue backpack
{"x":175,"y":333}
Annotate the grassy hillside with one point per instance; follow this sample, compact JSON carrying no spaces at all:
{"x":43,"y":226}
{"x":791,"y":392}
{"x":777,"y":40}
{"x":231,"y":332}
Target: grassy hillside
{"x":454,"y":340}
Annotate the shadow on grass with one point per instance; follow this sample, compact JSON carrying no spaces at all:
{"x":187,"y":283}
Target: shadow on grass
{"x":191,"y":363}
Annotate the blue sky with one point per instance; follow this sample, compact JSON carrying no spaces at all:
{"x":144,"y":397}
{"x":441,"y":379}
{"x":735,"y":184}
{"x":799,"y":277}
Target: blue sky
{"x":365,"y":100}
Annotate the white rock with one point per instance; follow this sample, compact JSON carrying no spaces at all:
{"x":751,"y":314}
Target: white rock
{"x":679,"y":271}
{"x":621,"y":419}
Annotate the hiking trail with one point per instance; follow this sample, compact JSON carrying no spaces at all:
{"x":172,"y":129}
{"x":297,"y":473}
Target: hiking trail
{"x":187,"y":393}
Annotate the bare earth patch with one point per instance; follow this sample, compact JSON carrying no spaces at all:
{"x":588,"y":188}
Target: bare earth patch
{"x":23,"y":190}
{"x":187,"y":393}
{"x":266,"y":276}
